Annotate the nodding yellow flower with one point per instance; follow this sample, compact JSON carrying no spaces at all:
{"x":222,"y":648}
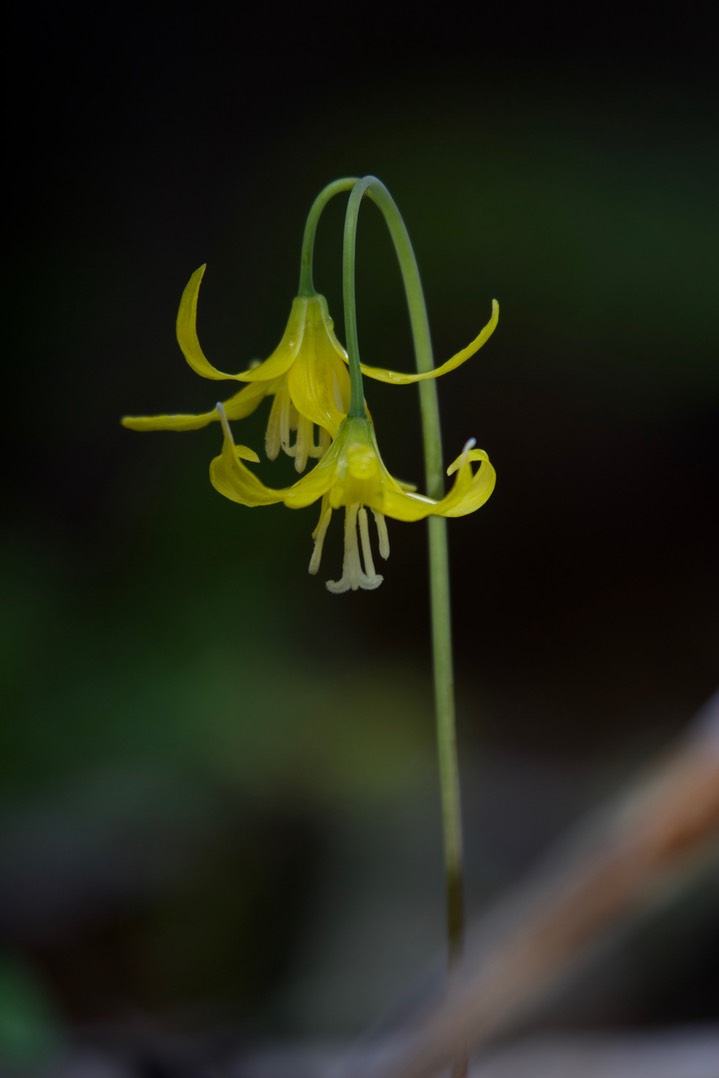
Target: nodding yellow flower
{"x":306,"y":375}
{"x":352,"y":475}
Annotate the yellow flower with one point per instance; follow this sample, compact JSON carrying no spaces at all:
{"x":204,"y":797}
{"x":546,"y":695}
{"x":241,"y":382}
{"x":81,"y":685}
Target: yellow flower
{"x":352,"y":475}
{"x":306,"y":374}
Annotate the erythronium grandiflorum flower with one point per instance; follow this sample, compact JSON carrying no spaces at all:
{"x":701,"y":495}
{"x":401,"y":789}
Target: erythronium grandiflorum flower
{"x":306,"y":374}
{"x":352,"y":475}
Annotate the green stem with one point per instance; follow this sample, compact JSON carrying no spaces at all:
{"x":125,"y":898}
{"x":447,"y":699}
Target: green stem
{"x":307,"y":286}
{"x":438,"y":551}
{"x":349,"y":297}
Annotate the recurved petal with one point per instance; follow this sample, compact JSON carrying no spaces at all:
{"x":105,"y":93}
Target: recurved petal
{"x":244,"y":402}
{"x":230,"y":476}
{"x":469,"y":491}
{"x":380,"y":374}
{"x":284,"y":355}
{"x":405,"y":505}
{"x":315,"y":484}
{"x":187,"y":330}
{"x":168,"y":422}
{"x":238,"y":406}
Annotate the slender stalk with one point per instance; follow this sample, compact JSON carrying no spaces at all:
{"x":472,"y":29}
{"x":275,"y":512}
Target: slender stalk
{"x":307,"y":286}
{"x":349,"y":297}
{"x":438,"y":568}
{"x":438,"y":550}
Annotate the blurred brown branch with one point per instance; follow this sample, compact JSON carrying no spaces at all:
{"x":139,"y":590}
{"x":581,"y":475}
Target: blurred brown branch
{"x":649,"y":837}
{"x":688,"y":1052}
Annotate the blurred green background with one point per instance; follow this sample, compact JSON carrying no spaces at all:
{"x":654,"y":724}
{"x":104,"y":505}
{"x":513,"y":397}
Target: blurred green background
{"x":219,"y":800}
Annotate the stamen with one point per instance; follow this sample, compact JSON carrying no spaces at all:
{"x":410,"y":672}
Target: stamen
{"x":303,"y":441}
{"x":382,"y":534}
{"x":370,"y":570}
{"x":322,"y":444}
{"x":272,"y":434}
{"x":223,"y":420}
{"x":351,"y":568}
{"x":319,"y":537}
{"x":462,"y":458}
{"x":353,"y":576}
{"x":285,"y":422}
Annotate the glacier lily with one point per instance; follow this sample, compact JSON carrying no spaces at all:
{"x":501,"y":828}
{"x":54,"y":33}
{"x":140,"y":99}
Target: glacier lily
{"x":306,"y":375}
{"x":353,"y":476}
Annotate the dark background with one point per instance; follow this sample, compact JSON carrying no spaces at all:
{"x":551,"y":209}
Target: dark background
{"x":219,"y":801}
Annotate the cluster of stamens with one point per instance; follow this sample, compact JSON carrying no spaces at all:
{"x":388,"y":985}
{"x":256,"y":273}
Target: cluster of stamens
{"x":283,"y":422}
{"x":354,"y":574}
